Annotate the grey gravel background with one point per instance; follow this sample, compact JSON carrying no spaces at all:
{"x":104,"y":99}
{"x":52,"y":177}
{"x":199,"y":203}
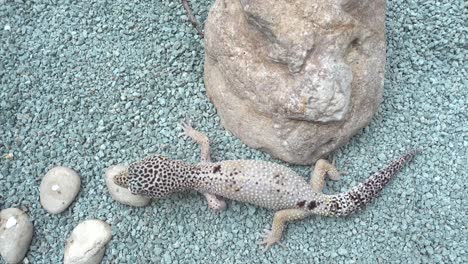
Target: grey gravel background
{"x":89,"y":84}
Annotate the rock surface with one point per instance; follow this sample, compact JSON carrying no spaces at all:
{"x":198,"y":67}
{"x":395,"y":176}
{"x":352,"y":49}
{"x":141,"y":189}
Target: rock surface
{"x":87,"y":242}
{"x":295,"y":78}
{"x":120,"y":194}
{"x":16,"y":231}
{"x":58,"y":189}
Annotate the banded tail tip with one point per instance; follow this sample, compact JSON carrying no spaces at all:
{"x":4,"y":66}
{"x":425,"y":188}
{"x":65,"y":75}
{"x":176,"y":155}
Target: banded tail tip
{"x":413,"y":152}
{"x":347,"y":203}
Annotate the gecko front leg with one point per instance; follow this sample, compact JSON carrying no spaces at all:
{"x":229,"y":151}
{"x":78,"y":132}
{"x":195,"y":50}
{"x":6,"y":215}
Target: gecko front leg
{"x":214,"y":202}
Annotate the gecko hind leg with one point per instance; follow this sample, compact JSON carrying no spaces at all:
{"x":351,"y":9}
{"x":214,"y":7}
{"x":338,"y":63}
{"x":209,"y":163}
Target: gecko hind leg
{"x":273,"y":236}
{"x":321,"y":170}
{"x":216,"y":203}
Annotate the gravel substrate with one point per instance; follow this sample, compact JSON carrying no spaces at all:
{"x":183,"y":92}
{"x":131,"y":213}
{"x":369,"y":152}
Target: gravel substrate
{"x":90,"y":84}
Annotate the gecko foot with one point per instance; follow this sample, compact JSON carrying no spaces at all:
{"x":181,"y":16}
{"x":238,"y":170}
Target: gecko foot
{"x":269,"y":239}
{"x":197,"y":136}
{"x":188,"y":131}
{"x":335,"y":174}
{"x":186,"y":128}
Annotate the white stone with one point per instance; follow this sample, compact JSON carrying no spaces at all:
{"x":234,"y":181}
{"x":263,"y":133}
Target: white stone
{"x":87,"y":242}
{"x":16,"y":231}
{"x":59,"y":188}
{"x":120,"y":194}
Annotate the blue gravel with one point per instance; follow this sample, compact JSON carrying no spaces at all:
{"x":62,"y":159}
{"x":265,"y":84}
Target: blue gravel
{"x":89,"y":84}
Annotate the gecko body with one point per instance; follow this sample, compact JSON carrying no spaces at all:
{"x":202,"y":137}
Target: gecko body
{"x":261,"y":183}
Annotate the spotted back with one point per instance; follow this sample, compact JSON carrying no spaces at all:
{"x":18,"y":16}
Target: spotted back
{"x":158,"y":176}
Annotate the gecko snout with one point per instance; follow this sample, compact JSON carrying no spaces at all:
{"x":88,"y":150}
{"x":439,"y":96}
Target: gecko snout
{"x":121,"y":179}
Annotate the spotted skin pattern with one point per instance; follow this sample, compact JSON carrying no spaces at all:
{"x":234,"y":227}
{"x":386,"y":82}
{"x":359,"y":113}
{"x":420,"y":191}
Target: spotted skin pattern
{"x":261,"y":183}
{"x":346,"y":203}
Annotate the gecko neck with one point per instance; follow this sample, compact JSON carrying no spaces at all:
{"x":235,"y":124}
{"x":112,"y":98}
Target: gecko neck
{"x":195,"y":175}
{"x":198,"y":175}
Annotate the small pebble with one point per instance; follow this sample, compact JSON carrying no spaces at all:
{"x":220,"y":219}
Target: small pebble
{"x":87,"y":242}
{"x":121,"y":194}
{"x":16,"y":232}
{"x":58,"y":189}
{"x":8,"y":156}
{"x":342,"y":251}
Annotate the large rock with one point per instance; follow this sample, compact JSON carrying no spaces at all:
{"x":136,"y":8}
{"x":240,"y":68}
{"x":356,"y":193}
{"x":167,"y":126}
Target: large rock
{"x":295,"y":78}
{"x":16,"y":231}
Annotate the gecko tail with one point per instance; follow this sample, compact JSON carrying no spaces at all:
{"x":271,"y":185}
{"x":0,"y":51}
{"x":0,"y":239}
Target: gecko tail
{"x":348,"y":202}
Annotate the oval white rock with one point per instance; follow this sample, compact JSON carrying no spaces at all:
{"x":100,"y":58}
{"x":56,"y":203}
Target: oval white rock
{"x":121,"y":194}
{"x":58,"y":189}
{"x":16,"y":231}
{"x":87,"y":242}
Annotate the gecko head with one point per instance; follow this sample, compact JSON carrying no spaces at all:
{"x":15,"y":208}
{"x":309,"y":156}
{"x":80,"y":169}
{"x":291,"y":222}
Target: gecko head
{"x":156,"y":176}
{"x":121,"y":179}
